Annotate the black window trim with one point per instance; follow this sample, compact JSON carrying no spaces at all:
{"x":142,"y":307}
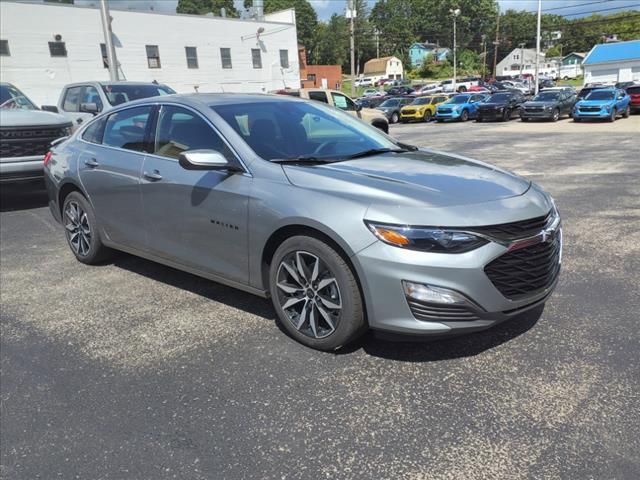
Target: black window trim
{"x":64,"y":45}
{"x":186,"y":53}
{"x":230,"y":67}
{"x":146,"y":51}
{"x":8,"y":54}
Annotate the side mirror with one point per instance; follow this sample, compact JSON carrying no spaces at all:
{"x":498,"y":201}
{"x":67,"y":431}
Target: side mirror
{"x":89,"y":108}
{"x":205,"y":160}
{"x":50,"y":108}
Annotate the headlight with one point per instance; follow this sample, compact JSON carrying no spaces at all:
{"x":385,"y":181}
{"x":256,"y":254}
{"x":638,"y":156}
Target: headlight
{"x":426,"y":239}
{"x":66,"y":131}
{"x":455,"y":109}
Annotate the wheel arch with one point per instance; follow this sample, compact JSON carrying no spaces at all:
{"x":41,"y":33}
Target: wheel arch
{"x":65,"y":189}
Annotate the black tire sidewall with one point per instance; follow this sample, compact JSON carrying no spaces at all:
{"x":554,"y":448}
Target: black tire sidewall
{"x":97,"y":250}
{"x":427,"y":116}
{"x":464,"y":116}
{"x":352,"y":319}
{"x":394,"y":118}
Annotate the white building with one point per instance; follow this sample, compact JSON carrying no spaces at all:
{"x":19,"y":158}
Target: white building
{"x":43,"y":47}
{"x":523,"y":61}
{"x":613,"y":62}
{"x":386,"y":67}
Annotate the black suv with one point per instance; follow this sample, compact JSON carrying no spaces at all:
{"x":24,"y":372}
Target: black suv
{"x":502,"y":105}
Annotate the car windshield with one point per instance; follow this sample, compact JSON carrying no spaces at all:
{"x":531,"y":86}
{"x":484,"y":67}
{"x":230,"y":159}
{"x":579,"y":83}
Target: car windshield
{"x":392,"y":102}
{"x":458,"y":99}
{"x":498,"y":97}
{"x":546,"y":97}
{"x":599,"y":95}
{"x":117,"y":94}
{"x":304,"y":131}
{"x":447,"y":82}
{"x":11,"y":97}
{"x":421,"y":101}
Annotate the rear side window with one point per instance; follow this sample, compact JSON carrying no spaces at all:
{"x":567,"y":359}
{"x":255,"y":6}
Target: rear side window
{"x":318,"y":96}
{"x":72,"y":99}
{"x":91,"y":95}
{"x":93,"y":133}
{"x":180,"y":130}
{"x":126,"y":129}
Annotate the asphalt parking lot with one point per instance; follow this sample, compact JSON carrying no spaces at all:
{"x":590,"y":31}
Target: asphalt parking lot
{"x":132,"y":370}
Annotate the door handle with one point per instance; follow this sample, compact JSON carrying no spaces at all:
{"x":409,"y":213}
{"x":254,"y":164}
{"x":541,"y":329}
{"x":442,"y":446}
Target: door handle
{"x":155,"y":175}
{"x":91,"y":162}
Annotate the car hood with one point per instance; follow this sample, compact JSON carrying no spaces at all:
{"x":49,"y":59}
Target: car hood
{"x":30,"y":118}
{"x":423,"y":178}
{"x":594,"y":103}
{"x":491,"y":105}
{"x":540,"y":104}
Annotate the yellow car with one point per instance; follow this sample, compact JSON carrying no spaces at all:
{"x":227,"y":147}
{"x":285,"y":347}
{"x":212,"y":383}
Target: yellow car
{"x":422,"y":109}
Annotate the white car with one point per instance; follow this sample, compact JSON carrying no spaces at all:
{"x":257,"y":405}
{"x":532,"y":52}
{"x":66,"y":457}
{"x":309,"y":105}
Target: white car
{"x":428,"y":89}
{"x":363,"y":82}
{"x":371,"y":92}
{"x":462,"y":84}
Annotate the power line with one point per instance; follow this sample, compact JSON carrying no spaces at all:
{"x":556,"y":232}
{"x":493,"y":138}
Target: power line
{"x":574,"y":6}
{"x":602,"y":10}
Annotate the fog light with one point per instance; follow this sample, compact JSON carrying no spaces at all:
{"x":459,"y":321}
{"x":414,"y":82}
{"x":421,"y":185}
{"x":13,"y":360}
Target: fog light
{"x":431,"y":294}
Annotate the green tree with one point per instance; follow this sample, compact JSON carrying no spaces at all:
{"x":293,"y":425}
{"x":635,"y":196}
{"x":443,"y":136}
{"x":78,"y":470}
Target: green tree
{"x":306,"y":20}
{"x":332,"y":42}
{"x":202,"y":7}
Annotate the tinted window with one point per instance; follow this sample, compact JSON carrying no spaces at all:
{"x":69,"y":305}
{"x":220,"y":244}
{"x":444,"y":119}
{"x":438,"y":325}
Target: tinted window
{"x":422,"y":101}
{"x":600,"y":96}
{"x":11,"y":97}
{"x":499,"y":97}
{"x":438,"y":100}
{"x":393,"y":102}
{"x":547,"y":97}
{"x":458,"y":99}
{"x":118,"y":94}
{"x":318,"y":96}
{"x":343,"y":102}
{"x":126,"y":129}
{"x":72,"y":99}
{"x":633,"y":90}
{"x":91,"y":95}
{"x":180,"y":130}
{"x":93,"y":133}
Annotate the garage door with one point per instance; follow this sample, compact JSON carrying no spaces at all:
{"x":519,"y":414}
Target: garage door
{"x":608,"y":75}
{"x":635,"y":74}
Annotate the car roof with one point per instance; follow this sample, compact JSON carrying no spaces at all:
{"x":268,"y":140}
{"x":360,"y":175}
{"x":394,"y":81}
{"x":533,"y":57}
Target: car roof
{"x":213,"y":99}
{"x":123,"y":82}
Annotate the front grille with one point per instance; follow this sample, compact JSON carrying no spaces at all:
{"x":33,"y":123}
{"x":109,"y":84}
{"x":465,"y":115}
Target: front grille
{"x":28,"y":142}
{"x":534,"y":109}
{"x":409,"y":111}
{"x":515,"y":230}
{"x":589,"y":109}
{"x":522,"y":272}
{"x":444,"y":110}
{"x":436,"y":311}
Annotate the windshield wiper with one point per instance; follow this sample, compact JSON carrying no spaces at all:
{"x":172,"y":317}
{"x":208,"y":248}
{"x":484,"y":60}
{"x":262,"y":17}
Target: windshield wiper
{"x":376,"y":151}
{"x":301,"y":160}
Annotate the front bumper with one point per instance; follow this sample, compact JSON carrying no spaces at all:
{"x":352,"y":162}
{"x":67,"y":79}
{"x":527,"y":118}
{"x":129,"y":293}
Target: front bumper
{"x":542,"y":114}
{"x":491,"y":114}
{"x":21,"y":168}
{"x":601,"y":113}
{"x":417,"y":116}
{"x":452,"y":115}
{"x":384,"y":268}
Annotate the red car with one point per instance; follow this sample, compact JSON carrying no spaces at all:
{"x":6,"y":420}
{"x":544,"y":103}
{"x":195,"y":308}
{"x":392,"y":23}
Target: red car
{"x":634,"y":92}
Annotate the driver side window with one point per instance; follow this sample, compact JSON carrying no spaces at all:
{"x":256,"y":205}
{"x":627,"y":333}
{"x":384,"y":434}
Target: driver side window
{"x":180,"y":130}
{"x":343,"y":102}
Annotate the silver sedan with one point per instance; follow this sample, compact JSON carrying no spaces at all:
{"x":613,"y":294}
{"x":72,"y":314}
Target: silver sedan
{"x":342,"y":226}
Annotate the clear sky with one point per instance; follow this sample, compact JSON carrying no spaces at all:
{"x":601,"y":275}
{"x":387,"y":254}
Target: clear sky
{"x":325,"y":8}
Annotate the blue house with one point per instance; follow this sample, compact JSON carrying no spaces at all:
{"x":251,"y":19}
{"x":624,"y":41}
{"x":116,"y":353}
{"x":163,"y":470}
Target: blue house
{"x":613,"y":62}
{"x":418,"y":53}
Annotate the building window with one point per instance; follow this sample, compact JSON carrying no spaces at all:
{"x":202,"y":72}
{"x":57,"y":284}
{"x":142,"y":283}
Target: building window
{"x":225,"y":55}
{"x":256,"y":57}
{"x":284,"y":58}
{"x":4,"y":48}
{"x":105,"y":57}
{"x":153,"y":56}
{"x":58,"y":49}
{"x":192,"y":57}
{"x":311,"y":77}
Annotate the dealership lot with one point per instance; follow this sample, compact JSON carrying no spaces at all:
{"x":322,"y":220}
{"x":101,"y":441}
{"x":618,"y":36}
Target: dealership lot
{"x":135,"y":370}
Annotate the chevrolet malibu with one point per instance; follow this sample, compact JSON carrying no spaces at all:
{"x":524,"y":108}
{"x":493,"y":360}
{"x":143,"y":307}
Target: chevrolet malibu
{"x":343,"y":227}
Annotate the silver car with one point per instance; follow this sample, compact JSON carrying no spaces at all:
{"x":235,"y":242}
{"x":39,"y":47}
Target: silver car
{"x":342,"y":226}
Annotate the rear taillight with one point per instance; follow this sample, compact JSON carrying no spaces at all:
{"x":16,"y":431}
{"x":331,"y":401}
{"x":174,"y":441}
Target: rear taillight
{"x":47,"y":157}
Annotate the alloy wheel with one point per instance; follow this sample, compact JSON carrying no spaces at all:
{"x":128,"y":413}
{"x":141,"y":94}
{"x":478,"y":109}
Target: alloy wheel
{"x":78,"y":229}
{"x":309,"y":294}
{"x":394,"y":118}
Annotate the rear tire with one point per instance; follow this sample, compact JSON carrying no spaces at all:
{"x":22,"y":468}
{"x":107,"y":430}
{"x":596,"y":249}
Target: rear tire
{"x":576,"y":119}
{"x":524,"y":119}
{"x":321,"y":317}
{"x":81,"y":230}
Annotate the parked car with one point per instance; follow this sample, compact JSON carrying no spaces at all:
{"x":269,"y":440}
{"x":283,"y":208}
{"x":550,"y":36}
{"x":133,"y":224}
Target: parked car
{"x":26,"y":133}
{"x":391,"y":107}
{"x":371,"y":92}
{"x":624,"y":85}
{"x":460,"y":107}
{"x":79,"y":102}
{"x":548,"y":105}
{"x":343,"y":102}
{"x":363,"y":82}
{"x":604,"y":103}
{"x":370,"y":102}
{"x":546,"y":83}
{"x":302,"y":203}
{"x":422,"y":109}
{"x":634,"y":97}
{"x":521,"y":87}
{"x":400,"y":90}
{"x":503,"y":105}
{"x":462,"y":84}
{"x":588,"y":88}
{"x":427,"y":89}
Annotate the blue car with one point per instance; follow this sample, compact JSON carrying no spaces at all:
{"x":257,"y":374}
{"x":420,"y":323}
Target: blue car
{"x":461,"y":107}
{"x":605,"y":103}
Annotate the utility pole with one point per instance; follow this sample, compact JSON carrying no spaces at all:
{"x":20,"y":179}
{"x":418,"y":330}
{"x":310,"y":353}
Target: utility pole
{"x":538,"y":45}
{"x":376,"y":32}
{"x":495,"y":45}
{"x":352,"y":14}
{"x":484,"y":57}
{"x":521,"y":57}
{"x":455,"y":14}
{"x":108,"y":41}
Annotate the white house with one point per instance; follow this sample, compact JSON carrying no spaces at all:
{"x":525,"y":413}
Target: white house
{"x":613,"y":62}
{"x":385,"y":67}
{"x":523,"y":61}
{"x":44,"y":47}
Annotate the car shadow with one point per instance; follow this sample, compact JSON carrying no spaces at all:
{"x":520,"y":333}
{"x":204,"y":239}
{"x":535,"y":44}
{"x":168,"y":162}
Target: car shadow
{"x":399,"y":348}
{"x":23,"y":196}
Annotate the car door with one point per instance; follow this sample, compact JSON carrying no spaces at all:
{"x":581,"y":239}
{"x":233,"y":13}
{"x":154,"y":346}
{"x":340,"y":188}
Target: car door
{"x":109,"y":169}
{"x":197,"y":218}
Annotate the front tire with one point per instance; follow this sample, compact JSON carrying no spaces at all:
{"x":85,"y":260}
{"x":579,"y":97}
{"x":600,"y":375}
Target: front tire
{"x":478,"y":118}
{"x":506,"y":116}
{"x":556,"y":115}
{"x":614,"y":114}
{"x":81,"y":230}
{"x":315,"y":294}
{"x":627,"y":112}
{"x":464,"y":116}
{"x":394,"y":118}
{"x":427,"y":116}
